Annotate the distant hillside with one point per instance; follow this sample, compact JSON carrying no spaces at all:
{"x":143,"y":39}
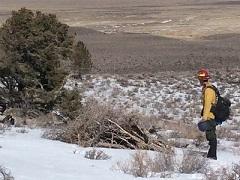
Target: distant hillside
{"x":136,"y":53}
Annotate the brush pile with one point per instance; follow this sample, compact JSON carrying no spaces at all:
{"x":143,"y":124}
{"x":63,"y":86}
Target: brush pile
{"x":103,"y":128}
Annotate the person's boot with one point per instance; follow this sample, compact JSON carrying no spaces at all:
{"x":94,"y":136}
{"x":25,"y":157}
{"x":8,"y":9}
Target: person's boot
{"x":212,"y":152}
{"x":214,"y":158}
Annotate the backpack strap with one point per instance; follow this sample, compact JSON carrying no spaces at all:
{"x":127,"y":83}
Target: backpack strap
{"x":215,"y":90}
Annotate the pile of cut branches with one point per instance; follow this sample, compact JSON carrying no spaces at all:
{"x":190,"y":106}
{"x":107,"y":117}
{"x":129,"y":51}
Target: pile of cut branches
{"x":107,"y":129}
{"x":127,"y":135}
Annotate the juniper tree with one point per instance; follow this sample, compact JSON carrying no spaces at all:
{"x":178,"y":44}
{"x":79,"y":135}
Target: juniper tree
{"x":81,"y":59}
{"x":36,"y":48}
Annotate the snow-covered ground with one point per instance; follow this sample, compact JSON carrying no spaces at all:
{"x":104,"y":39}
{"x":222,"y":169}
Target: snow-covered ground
{"x":174,"y":97}
{"x":29,"y":157}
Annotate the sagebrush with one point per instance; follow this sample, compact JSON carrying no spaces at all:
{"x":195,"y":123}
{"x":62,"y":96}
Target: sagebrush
{"x":5,"y":174}
{"x":95,"y":154}
{"x":142,"y":164}
{"x":192,"y":163}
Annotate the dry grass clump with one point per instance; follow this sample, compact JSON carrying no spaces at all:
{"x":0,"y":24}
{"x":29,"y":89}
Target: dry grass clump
{"x":22,"y":130}
{"x":192,"y":163}
{"x":44,"y":120}
{"x":95,"y":154}
{"x":236,"y":170}
{"x":226,"y":133}
{"x":142,"y":164}
{"x":199,"y":140}
{"x":212,"y":176}
{"x":236,"y":122}
{"x":2,"y":128}
{"x":138,"y":166}
{"x":5,"y":174}
{"x":179,"y":143}
{"x":30,"y":118}
{"x":223,"y":173}
{"x":162,"y":162}
{"x":188,"y":131}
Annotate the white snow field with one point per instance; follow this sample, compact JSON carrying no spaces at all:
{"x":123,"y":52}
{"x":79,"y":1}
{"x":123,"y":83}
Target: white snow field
{"x":176,"y":98}
{"x":30,"y":157}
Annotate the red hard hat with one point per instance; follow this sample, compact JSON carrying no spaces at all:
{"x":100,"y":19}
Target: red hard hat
{"x":203,"y":74}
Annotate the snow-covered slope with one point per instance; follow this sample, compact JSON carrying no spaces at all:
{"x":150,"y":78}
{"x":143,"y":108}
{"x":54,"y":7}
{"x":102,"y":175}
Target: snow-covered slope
{"x":172,"y":96}
{"x":175,"y":98}
{"x":29,"y":157}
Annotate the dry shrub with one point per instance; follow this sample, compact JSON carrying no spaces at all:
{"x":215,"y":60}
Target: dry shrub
{"x":95,"y":154}
{"x":236,"y":144}
{"x":236,"y":170}
{"x":45,"y":120}
{"x":221,"y":174}
{"x":178,"y":143}
{"x":138,"y":166}
{"x":4,"y":128}
{"x":5,"y":174}
{"x":163,"y":162}
{"x":212,"y":175}
{"x":226,"y":133}
{"x":30,"y":118}
{"x":85,"y":128}
{"x":192,"y":163}
{"x":199,"y":140}
{"x":22,"y":130}
{"x":188,"y":131}
{"x":142,"y":165}
{"x":54,"y":134}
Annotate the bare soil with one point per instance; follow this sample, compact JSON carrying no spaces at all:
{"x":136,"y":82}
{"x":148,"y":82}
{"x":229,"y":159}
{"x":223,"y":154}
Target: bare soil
{"x":138,"y":53}
{"x":149,"y":36}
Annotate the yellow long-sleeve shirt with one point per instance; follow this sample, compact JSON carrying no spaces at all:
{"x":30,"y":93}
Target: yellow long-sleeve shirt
{"x":209,"y":98}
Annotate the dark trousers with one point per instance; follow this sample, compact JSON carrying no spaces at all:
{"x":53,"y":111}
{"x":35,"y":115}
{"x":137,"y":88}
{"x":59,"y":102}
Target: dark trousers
{"x":2,"y":107}
{"x":212,"y":138}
